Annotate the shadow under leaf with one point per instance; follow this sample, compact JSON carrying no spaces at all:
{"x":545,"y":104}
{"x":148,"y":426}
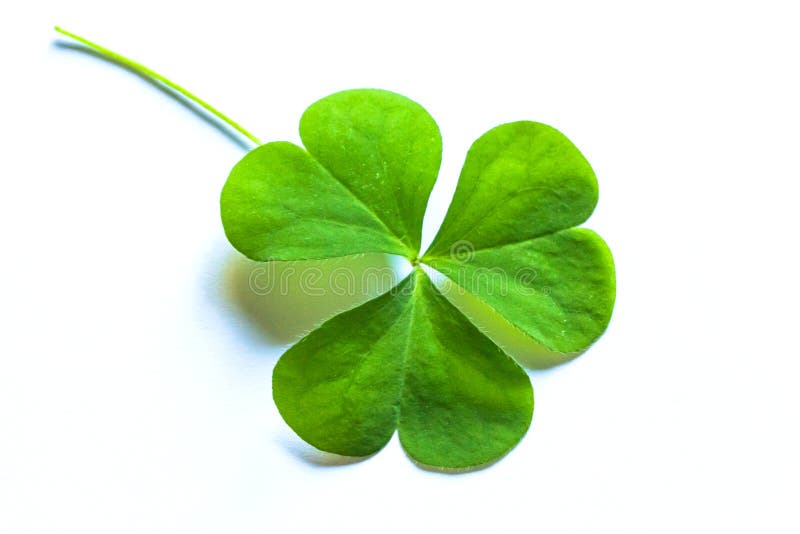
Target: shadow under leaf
{"x":313,"y":456}
{"x":517,"y":344}
{"x":284,"y":300}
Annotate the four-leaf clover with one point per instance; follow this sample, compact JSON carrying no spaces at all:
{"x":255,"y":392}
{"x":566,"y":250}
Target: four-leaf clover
{"x":409,"y":360}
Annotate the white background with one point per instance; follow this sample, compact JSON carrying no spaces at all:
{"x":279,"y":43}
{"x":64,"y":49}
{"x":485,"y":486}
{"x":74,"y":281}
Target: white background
{"x":135,"y":389}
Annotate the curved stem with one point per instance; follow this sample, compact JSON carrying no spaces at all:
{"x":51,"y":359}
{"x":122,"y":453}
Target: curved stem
{"x":156,"y":76}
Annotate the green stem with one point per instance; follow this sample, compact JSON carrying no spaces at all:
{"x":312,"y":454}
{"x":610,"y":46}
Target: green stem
{"x":159,"y":78}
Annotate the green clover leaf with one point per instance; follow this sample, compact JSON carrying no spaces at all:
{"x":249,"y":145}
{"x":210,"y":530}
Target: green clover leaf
{"x":409,"y":360}
{"x":523,"y":187}
{"x":361,"y":186}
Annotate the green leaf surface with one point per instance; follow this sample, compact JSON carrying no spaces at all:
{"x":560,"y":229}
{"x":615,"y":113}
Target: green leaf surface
{"x":362,"y":185}
{"x":384,"y":148}
{"x":519,"y":181}
{"x":507,"y":239}
{"x":279,"y":203}
{"x":407,"y":360}
{"x":558,"y":288}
